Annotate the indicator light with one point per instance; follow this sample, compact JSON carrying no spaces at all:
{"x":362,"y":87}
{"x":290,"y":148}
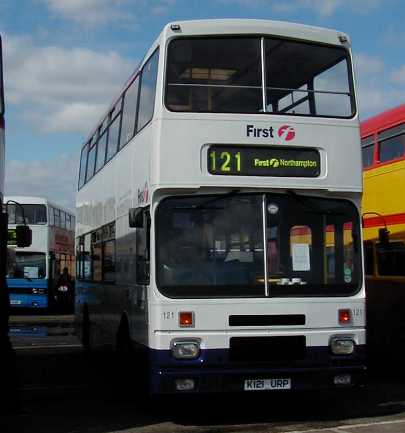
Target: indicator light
{"x":186,"y":319}
{"x":345,"y":317}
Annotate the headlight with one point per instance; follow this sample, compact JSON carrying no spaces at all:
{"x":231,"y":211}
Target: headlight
{"x":342,"y":345}
{"x":185,"y":349}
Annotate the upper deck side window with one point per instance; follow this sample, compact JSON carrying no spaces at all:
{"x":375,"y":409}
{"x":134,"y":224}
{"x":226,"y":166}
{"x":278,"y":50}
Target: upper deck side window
{"x":133,"y":111}
{"x":91,"y":161}
{"x":129,"y":112}
{"x":147,"y":91}
{"x":223,"y":74}
{"x":391,"y":143}
{"x":367,"y":151}
{"x":83,"y":162}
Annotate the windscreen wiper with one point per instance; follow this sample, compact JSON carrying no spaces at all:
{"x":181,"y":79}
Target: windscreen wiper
{"x":310,"y":205}
{"x":218,"y":197}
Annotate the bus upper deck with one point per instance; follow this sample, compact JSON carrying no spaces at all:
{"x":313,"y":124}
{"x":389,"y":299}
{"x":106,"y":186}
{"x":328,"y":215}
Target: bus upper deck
{"x":258,"y":87}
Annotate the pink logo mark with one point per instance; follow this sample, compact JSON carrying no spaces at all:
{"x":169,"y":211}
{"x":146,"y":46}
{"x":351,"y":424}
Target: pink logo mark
{"x":286,"y":132}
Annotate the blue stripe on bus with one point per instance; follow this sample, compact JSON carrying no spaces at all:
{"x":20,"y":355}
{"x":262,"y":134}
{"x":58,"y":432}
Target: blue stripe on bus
{"x":213,"y":371}
{"x":23,"y":283}
{"x":28,"y":301}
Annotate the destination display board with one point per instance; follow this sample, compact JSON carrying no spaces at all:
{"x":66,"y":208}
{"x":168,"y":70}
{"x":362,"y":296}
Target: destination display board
{"x":263,"y":161}
{"x":12,"y":237}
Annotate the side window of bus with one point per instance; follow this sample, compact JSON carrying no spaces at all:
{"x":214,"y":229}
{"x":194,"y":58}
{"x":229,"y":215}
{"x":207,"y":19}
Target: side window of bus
{"x":68,"y":225}
{"x":392,"y":143}
{"x":91,"y":160}
{"x":100,"y":265}
{"x":62,"y":219}
{"x":96,"y":255}
{"x":86,"y":257}
{"x":56,"y":213}
{"x":148,"y":91}
{"x":51,"y":216}
{"x":83,"y":160}
{"x":129,"y":112}
{"x":114,"y":133}
{"x":367,"y":151}
{"x":102,"y":146}
{"x":109,"y":260}
{"x":79,"y":243}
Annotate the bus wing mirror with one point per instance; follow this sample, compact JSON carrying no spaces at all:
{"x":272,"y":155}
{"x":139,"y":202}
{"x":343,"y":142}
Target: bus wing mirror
{"x":136,"y":217}
{"x":384,"y":236}
{"x":23,"y":236}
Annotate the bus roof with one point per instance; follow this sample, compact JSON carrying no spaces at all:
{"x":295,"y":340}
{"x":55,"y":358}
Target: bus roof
{"x":383,"y":120}
{"x":252,"y":26}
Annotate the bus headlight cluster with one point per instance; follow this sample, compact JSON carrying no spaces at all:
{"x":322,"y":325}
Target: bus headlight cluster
{"x":185,"y":348}
{"x":342,"y":345}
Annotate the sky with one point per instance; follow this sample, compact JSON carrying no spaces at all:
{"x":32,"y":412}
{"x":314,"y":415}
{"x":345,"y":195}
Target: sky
{"x":66,"y":60}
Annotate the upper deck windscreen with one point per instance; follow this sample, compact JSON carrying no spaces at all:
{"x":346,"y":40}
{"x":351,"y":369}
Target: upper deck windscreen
{"x":224,"y":75}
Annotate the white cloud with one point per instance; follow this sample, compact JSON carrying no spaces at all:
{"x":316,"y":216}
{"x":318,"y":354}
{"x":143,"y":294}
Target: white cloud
{"x":67,"y":89}
{"x":372,"y":95}
{"x":55,"y":179}
{"x":324,"y":8}
{"x":92,"y":12}
{"x":378,"y":87}
{"x":101,"y":12}
{"x":398,"y":76}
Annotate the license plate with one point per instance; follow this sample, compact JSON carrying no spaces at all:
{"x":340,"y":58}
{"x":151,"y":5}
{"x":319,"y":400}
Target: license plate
{"x":267,"y":384}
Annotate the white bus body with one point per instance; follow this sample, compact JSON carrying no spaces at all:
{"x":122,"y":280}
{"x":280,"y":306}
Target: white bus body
{"x":267,"y":289}
{"x":35,"y":269}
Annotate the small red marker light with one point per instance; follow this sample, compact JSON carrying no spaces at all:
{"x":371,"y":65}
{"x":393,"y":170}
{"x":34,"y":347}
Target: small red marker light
{"x":186,"y":319}
{"x":345,"y":317}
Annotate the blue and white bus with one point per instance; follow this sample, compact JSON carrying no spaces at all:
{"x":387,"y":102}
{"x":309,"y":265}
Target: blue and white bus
{"x":218,"y":225}
{"x":33,"y":272}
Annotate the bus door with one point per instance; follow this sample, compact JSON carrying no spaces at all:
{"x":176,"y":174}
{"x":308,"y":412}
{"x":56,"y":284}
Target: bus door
{"x":140,"y":220}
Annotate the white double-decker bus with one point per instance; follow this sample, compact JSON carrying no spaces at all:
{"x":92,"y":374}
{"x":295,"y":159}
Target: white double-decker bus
{"x":218,"y":223}
{"x":33,"y":272}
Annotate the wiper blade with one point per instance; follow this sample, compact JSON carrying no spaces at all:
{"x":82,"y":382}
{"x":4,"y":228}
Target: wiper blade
{"x":311,"y":206}
{"x":218,"y":197}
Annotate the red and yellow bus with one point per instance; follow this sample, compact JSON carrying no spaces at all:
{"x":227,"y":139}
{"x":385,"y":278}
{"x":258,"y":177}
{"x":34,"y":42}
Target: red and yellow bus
{"x":383,"y":210}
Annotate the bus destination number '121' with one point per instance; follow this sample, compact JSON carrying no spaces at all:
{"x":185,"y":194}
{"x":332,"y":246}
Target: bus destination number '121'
{"x":263,"y":161}
{"x":224,"y":161}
